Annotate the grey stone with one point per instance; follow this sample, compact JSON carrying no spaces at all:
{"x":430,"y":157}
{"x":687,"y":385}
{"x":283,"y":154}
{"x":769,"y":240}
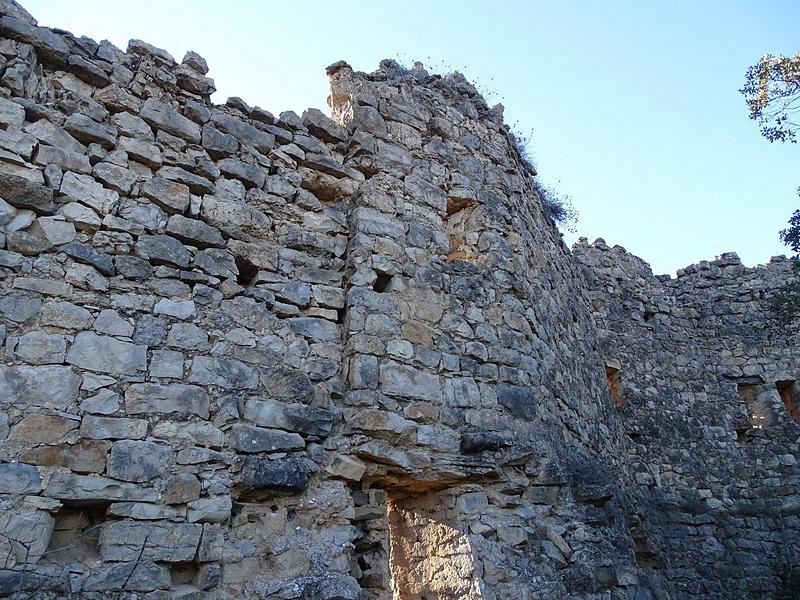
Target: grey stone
{"x":318,"y":330}
{"x":404,"y":381}
{"x":323,"y":127}
{"x":82,"y":217}
{"x":68,"y":486}
{"x":29,"y":534}
{"x":251,"y":175}
{"x":113,"y":176}
{"x":196,"y":184}
{"x":88,"y":71}
{"x":133,"y":576}
{"x":186,"y":336}
{"x":218,"y":144}
{"x":163,"y":250}
{"x":217,"y":262}
{"x":519,"y":400}
{"x":194,"y":232}
{"x":247,"y":134}
{"x":172,"y":196}
{"x":50,"y":47}
{"x":53,"y":135}
{"x":106,"y":354}
{"x":166,"y":363}
{"x":40,"y":348}
{"x":131,"y":126}
{"x":111,"y":323}
{"x":66,"y":315}
{"x":142,"y":150}
{"x":138,"y":461}
{"x":84,"y":189}
{"x":129,"y":540}
{"x":289,"y":416}
{"x":55,"y":230}
{"x":26,"y":243}
{"x":19,"y":308}
{"x":23,"y":193}
{"x":276,"y":476}
{"x":18,"y":478}
{"x":85,"y":254}
{"x":163,"y":116}
{"x":133,"y":267}
{"x":293,"y":292}
{"x":88,"y":131}
{"x":104,"y":402}
{"x":46,"y":386}
{"x":147,"y":398}
{"x":113,"y":428}
{"x":209,"y":510}
{"x":67,"y":160}
{"x":181,"y":309}
{"x":223,"y":372}
{"x":247,"y":438}
{"x":11,"y":113}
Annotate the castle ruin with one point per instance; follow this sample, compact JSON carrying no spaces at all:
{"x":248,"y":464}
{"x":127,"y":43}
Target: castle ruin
{"x":313,"y":358}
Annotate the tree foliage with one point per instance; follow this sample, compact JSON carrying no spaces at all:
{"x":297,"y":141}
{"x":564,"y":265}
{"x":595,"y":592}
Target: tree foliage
{"x":772,"y":92}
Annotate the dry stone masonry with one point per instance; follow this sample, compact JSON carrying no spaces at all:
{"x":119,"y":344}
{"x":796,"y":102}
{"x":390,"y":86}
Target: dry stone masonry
{"x":301,"y":357}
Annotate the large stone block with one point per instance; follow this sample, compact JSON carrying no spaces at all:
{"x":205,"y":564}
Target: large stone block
{"x":147,"y":398}
{"x":18,"y":478}
{"x":163,"y":542}
{"x":274,"y":476}
{"x":246,"y":438}
{"x":47,"y":386}
{"x":138,"y":460}
{"x":404,"y":381}
{"x":107,"y":354}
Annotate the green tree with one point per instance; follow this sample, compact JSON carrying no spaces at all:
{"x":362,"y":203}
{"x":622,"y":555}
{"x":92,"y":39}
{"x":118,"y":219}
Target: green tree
{"x":772,"y":93}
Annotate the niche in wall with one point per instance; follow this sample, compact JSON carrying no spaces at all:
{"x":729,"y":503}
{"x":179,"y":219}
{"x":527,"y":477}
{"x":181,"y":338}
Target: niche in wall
{"x":614,"y":380}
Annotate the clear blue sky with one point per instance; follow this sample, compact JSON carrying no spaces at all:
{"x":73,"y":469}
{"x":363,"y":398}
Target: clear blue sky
{"x":633,"y":105}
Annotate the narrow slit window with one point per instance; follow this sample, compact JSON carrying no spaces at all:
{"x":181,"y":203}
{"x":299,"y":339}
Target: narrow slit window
{"x":789,"y":391}
{"x":615,"y":382}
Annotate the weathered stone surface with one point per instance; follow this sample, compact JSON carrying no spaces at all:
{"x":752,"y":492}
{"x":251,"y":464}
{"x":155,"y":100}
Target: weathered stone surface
{"x":23,"y":193}
{"x":113,"y":428}
{"x":172,"y":196}
{"x":224,"y":372}
{"x":519,"y":400}
{"x":135,"y":576}
{"x":209,"y":510}
{"x":276,"y":476}
{"x":131,"y":460}
{"x":164,"y":542}
{"x":41,"y":429}
{"x":194,"y":232}
{"x":66,"y":315}
{"x":182,"y":309}
{"x":67,"y":486}
{"x":291,"y":417}
{"x":247,"y":438}
{"x":49,"y":46}
{"x":318,"y":330}
{"x":146,"y":398}
{"x":46,"y":386}
{"x":89,"y":131}
{"x":181,"y":488}
{"x":401,"y":380}
{"x":106,"y":354}
{"x":86,"y":456}
{"x":29,"y":534}
{"x":17,"y":478}
{"x":143,"y":151}
{"x":84,"y":189}
{"x":40,"y":348}
{"x":162,"y":250}
{"x":162,"y":116}
{"x":89,"y":256}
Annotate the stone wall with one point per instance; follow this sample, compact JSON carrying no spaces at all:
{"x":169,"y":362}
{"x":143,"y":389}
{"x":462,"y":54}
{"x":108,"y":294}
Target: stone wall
{"x":334,"y":358}
{"x":711,"y":408}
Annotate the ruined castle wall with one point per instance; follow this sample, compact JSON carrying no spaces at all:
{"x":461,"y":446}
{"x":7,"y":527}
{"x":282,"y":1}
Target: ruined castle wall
{"x":708,"y":400}
{"x":289,"y":357}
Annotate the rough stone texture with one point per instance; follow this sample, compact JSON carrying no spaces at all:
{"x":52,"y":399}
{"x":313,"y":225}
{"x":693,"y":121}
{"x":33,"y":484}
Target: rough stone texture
{"x":350,"y":357}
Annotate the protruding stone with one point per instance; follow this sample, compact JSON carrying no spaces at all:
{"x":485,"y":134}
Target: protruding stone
{"x":138,"y":460}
